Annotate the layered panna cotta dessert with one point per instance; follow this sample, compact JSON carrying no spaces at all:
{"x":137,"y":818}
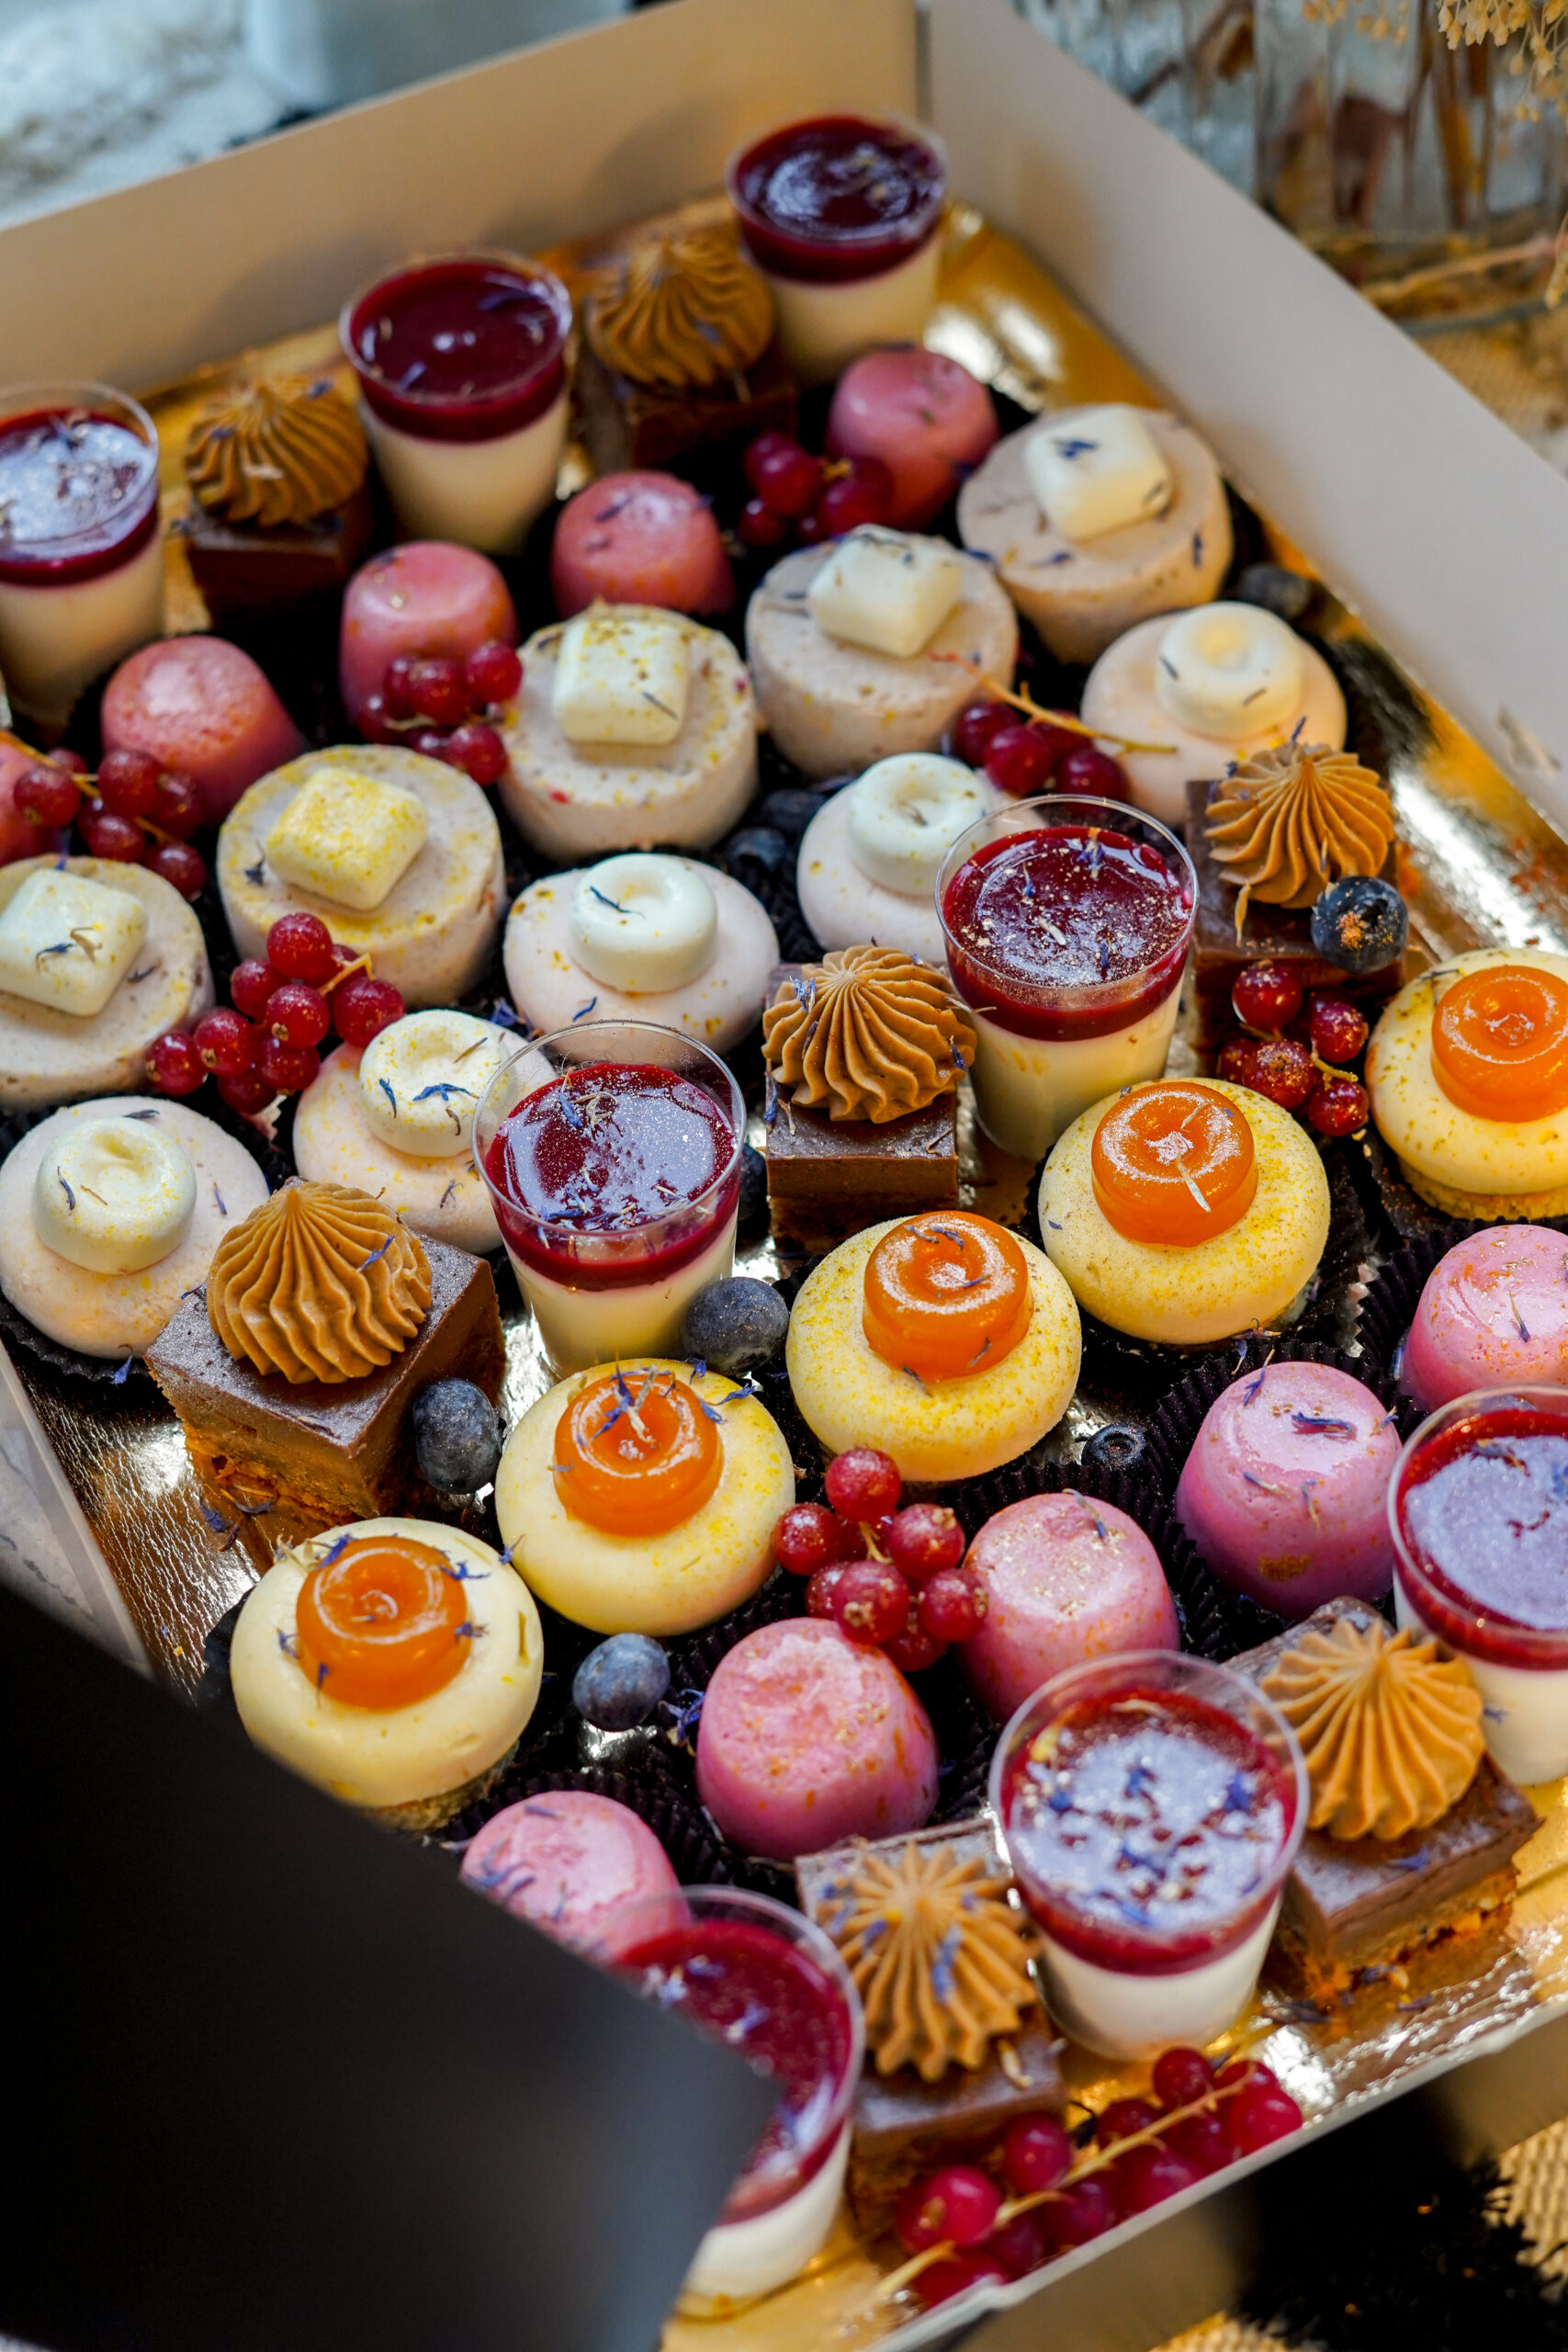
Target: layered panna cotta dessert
{"x":1066,"y":923}
{"x":461,"y":364}
{"x":81,"y":557}
{"x":841,"y":217}
{"x":612,"y":1154}
{"x":870,"y":858}
{"x":1479,"y":1510}
{"x":1152,"y":1806}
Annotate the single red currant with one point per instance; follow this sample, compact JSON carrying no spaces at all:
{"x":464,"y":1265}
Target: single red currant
{"x":760,"y":526}
{"x":1021,"y":758}
{"x":396,"y":686}
{"x":787,"y":479}
{"x":248,"y":1092}
{"x":761,"y":449}
{"x":958,"y":2274}
{"x":972,"y":730}
{"x":957,"y":2202}
{"x":810,"y":1536}
{"x":72,"y":761}
{"x":1265,"y":996}
{"x":494,"y":671}
{"x":1084,"y":2209}
{"x":439,"y":690}
{"x":953,"y":1605}
{"x":1020,"y":2245}
{"x":47,"y":796}
{"x":363,"y":1007}
{"x":864,"y":1483}
{"x":173,"y":1064}
{"x":1339,"y":1107}
{"x":870,"y":1601}
{"x":252,"y":986}
{"x":1283,"y":1068}
{"x":1338,"y":1028}
{"x":180,"y":864}
{"x":1036,"y":2154}
{"x":1086,"y":768}
{"x":128,"y":782}
{"x":478,"y":749}
{"x":374,"y":719}
{"x":430,"y":742}
{"x":300,"y":947}
{"x":226,"y":1041}
{"x":288,"y":1068}
{"x":811,"y":529}
{"x":298,"y":1014}
{"x":1121,"y":2119}
{"x":922,"y":1539}
{"x":1260,"y":2114}
{"x":848,"y":505}
{"x":912,"y":1650}
{"x":109,"y":835}
{"x":177,"y":805}
{"x":1201,"y":2140}
{"x":1147,"y":2176}
{"x":1180,"y":2077}
{"x":873,"y":480}
{"x":820,"y":1591}
{"x":1238,"y":1058}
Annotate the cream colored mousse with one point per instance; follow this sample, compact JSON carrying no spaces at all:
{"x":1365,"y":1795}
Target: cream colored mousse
{"x":581,"y":1327}
{"x":1097,"y":519}
{"x":870,"y":857}
{"x":400,"y":856}
{"x":635,"y":727}
{"x":641,"y":937}
{"x":850,"y":647}
{"x":485,"y":493}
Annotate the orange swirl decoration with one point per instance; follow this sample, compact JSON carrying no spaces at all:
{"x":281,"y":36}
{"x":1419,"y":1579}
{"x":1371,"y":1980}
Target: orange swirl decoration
{"x":276,"y":452}
{"x":382,"y":1623}
{"x":1174,"y":1163}
{"x":636,"y":1453}
{"x":1500,"y":1043}
{"x":321,"y":1283}
{"x":945,"y":1296}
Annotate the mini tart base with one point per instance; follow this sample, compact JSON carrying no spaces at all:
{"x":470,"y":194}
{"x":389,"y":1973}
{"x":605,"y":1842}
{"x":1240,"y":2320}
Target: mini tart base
{"x":1246,"y":1277}
{"x":647,"y":1584}
{"x":334,"y":1143}
{"x":1465,"y":1166}
{"x":938,"y":1430}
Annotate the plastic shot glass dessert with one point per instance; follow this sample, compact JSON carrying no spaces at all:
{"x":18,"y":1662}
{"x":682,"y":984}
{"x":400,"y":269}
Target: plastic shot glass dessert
{"x":1478,"y":1505}
{"x":461,"y":362}
{"x":767,"y":1982}
{"x":81,"y":555}
{"x":611,"y":1151}
{"x":1152,"y":1806}
{"x":841,"y":216}
{"x":1066,"y":922}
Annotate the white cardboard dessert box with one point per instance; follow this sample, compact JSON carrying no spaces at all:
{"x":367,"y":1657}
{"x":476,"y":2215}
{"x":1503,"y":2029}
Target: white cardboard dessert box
{"x":1431,"y":520}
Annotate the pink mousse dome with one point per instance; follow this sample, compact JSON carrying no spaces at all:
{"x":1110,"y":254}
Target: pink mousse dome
{"x":639,"y":539}
{"x":1067,"y":1579}
{"x":568,"y":1862}
{"x":427,"y":597}
{"x":199,"y":705}
{"x":1493,"y":1312}
{"x":928,"y":419}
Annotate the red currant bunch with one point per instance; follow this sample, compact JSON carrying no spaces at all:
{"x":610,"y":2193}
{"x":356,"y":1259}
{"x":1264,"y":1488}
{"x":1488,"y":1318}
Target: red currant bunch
{"x":793,"y":490}
{"x":133,"y":811}
{"x":445,"y":707}
{"x":893,"y":1578}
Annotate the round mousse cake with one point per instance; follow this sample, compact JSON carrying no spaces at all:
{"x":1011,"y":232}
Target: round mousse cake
{"x":1493,"y":1312}
{"x":568,"y":1862}
{"x":1067,"y":1579}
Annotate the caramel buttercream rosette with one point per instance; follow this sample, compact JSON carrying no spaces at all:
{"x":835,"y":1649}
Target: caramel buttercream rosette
{"x":683,"y":308}
{"x":1287,"y":824}
{"x":283,"y":450}
{"x":867,"y":1034}
{"x":321,"y":1283}
{"x":1390,"y":1728}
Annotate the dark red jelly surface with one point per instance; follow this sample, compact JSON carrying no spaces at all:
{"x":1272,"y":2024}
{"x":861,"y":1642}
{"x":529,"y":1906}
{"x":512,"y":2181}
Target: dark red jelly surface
{"x":1483,"y":1509}
{"x":1148,"y":1836}
{"x":78,"y":496}
{"x":460,"y":350}
{"x":838,"y":198}
{"x":602,"y":1153}
{"x":768,"y":1998}
{"x":1067,"y":931}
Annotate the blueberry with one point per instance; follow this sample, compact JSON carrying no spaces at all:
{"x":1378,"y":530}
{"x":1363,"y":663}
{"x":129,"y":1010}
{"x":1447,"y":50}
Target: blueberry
{"x":1277,"y":590}
{"x":762,"y":847}
{"x":619,"y":1684}
{"x":456,"y":1436}
{"x":790,"y":812}
{"x":734,"y":1326}
{"x":1360,"y":924}
{"x":1113,"y":1449}
{"x":753,"y":1214}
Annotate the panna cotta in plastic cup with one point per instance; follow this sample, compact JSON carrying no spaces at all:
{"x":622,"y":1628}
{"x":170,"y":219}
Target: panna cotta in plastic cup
{"x":768,"y":1982}
{"x":1478,"y":1504}
{"x":611,"y":1151}
{"x":1152,"y":1806}
{"x":1066,"y":922}
{"x":81,"y":553}
{"x":842,"y":217}
{"x":461,"y":362}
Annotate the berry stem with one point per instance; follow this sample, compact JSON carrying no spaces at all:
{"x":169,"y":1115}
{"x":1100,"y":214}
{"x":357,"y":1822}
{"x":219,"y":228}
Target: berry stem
{"x":1026,"y":702}
{"x":347,"y":972}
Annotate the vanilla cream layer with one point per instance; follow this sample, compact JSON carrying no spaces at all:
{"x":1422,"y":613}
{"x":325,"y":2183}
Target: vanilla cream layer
{"x":482,"y":493}
{"x":53,"y":642}
{"x":1027,"y":1090}
{"x":582,"y":1327}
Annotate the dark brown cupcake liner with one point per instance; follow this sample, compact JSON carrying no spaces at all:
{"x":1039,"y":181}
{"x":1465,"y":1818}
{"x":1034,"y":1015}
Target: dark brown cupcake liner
{"x":1389,"y":1307}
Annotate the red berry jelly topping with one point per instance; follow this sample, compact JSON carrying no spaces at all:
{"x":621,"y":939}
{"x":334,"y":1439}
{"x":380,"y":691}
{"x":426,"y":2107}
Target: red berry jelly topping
{"x":838,"y":197}
{"x":1482,"y":1506}
{"x":460,"y":350}
{"x":78,"y":495}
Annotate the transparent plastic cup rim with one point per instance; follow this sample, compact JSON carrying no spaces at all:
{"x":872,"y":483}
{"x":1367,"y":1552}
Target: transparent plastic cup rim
{"x":909,"y":238}
{"x":485,"y":257}
{"x":93,"y":400}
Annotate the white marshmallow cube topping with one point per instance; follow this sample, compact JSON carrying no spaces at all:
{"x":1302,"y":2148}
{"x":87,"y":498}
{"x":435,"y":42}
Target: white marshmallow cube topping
{"x":643,"y":923}
{"x":622,"y":677}
{"x":1231,"y":671}
{"x":347,"y":838}
{"x":114,"y":1195}
{"x":421,"y":1079}
{"x":67,"y":941}
{"x":1098,"y":472}
{"x":905,"y":814}
{"x":889,"y":591}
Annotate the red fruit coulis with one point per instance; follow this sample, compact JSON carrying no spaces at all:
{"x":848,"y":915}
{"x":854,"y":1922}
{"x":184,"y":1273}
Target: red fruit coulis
{"x":78,"y":496}
{"x":461,"y":349}
{"x":1150,"y":1834}
{"x":838,"y":197}
{"x":1483,"y":1509}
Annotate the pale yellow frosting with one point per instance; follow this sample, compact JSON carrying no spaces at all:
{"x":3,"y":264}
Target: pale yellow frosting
{"x":319,"y":1283}
{"x":1390,"y":1728}
{"x":867,"y":1034}
{"x":683,"y":308}
{"x":1288,"y":821}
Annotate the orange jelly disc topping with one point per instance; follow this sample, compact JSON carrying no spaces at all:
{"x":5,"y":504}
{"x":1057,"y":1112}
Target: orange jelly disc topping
{"x":636,"y":1453}
{"x":1500,"y":1043}
{"x":383,"y":1622}
{"x":1173,"y":1164}
{"x":945,"y":1296}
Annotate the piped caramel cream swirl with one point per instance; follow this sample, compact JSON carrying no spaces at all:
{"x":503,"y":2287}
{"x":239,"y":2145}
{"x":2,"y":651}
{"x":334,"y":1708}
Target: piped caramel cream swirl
{"x":321,"y":1283}
{"x":867,"y":1034}
{"x":1390,"y":1728}
{"x":276,"y":452}
{"x":683,"y":308}
{"x":1292,"y":820}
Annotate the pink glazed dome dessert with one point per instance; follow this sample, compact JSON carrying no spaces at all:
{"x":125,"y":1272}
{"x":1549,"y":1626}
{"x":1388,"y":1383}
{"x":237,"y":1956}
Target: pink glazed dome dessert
{"x":1493,"y":1312}
{"x":1067,"y":1579}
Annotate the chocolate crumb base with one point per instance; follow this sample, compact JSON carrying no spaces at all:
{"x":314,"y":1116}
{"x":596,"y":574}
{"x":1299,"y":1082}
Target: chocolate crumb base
{"x":1401,"y":1967}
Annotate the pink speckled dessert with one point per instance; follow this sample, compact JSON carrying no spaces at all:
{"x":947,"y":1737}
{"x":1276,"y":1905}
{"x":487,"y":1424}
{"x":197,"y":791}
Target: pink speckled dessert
{"x":203,"y":707}
{"x":1067,"y":1579}
{"x":567,"y":1861}
{"x":17,"y":837}
{"x":1495,"y":1311}
{"x":808,"y":1737}
{"x":928,"y":419}
{"x":1285,"y":1491}
{"x":427,"y":597}
{"x":639,"y":539}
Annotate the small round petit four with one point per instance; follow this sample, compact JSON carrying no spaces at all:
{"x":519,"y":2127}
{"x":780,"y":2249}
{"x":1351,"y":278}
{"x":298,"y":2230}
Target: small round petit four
{"x":394,"y":1662}
{"x":1098,"y":517}
{"x":396,"y":1121}
{"x":641,"y":937}
{"x":111,"y":1211}
{"x":1287,"y":824}
{"x":1183,"y":1212}
{"x":1219,"y":686}
{"x":808,"y":1737}
{"x":427,"y":597}
{"x":567,"y":1862}
{"x":639,"y":539}
{"x":635,"y":726}
{"x":1493,"y":1312}
{"x":1285,"y":1491}
{"x":97,"y":959}
{"x":205,"y":709}
{"x":869,"y":859}
{"x":1467,"y":1074}
{"x":642,"y":1499}
{"x":848,"y":647}
{"x":1067,"y":1579}
{"x":924,"y":415}
{"x":400,"y":854}
{"x":943,"y":1340}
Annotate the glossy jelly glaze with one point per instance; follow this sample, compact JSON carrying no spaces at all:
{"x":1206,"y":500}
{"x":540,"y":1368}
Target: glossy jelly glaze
{"x":1146,"y":1826}
{"x":460,"y":350}
{"x":1067,"y":931}
{"x":838,"y":197}
{"x":603,"y":1152}
{"x":1482,"y":1511}
{"x":78,"y":495}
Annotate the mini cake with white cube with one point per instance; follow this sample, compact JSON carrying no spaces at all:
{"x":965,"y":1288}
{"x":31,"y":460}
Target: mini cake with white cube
{"x":870,"y":857}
